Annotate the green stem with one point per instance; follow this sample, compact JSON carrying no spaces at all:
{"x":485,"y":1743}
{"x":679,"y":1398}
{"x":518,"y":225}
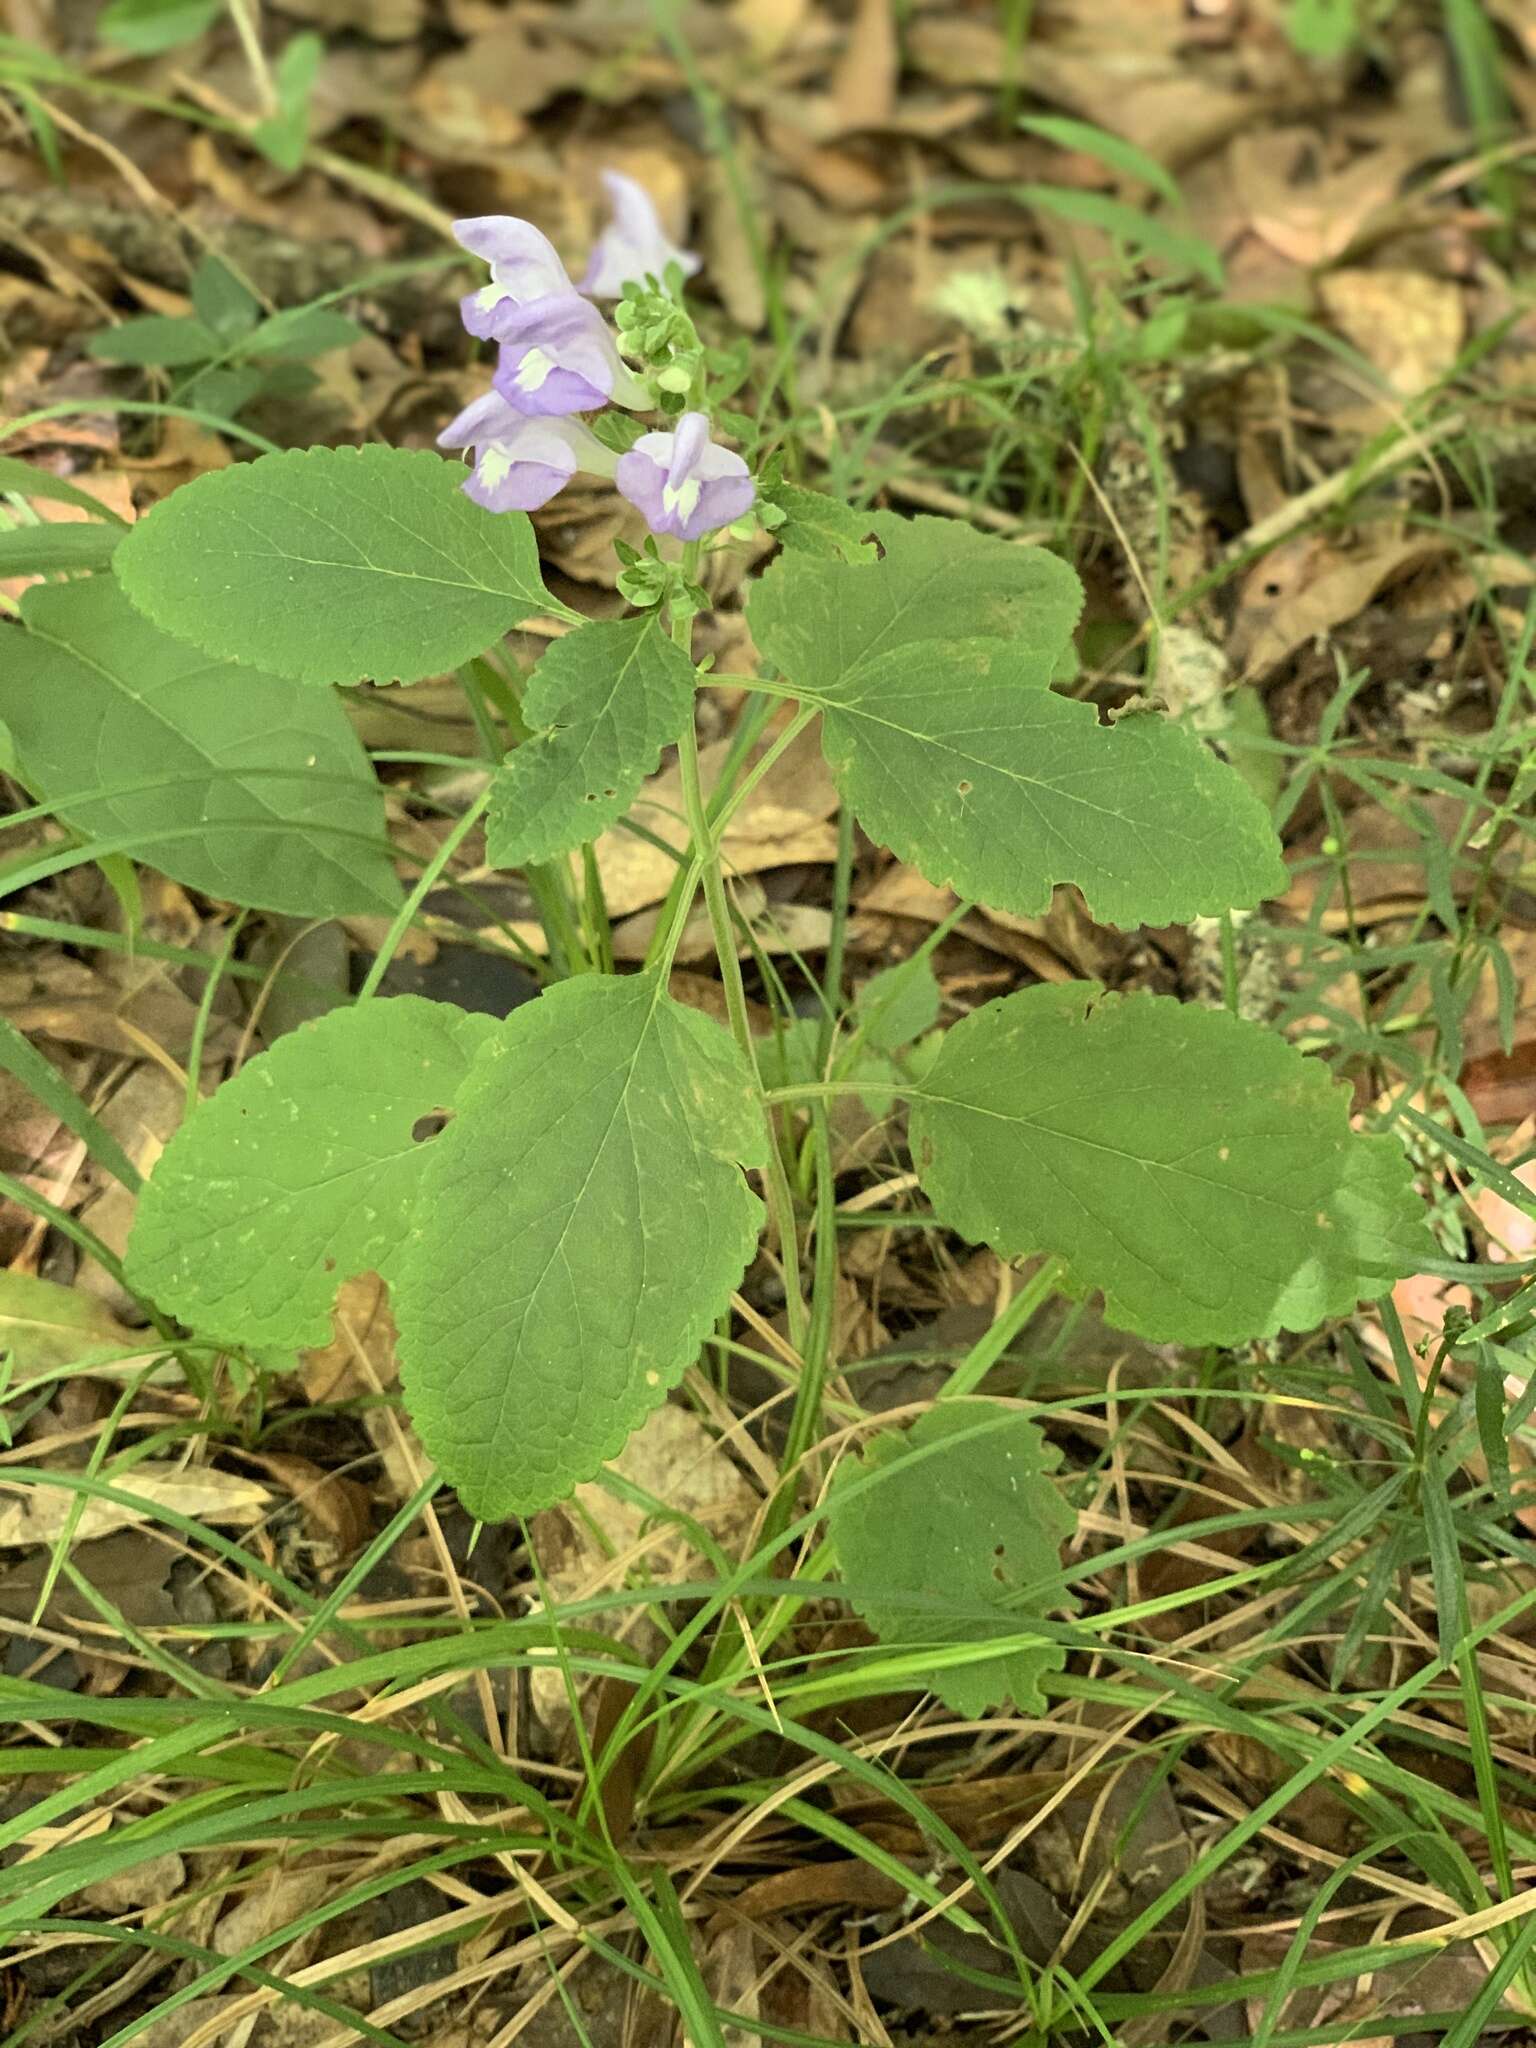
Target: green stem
{"x":549,"y":882}
{"x":837,"y":938}
{"x":706,"y":853}
{"x":418,"y":896}
{"x":984,"y":1354}
{"x":722,"y":808}
{"x":805,"y":1420}
{"x":832,"y":1091}
{"x":1231,"y":979}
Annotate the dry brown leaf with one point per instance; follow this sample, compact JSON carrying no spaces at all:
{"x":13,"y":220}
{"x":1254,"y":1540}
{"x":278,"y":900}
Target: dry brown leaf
{"x":386,"y":21}
{"x":137,"y":1888}
{"x":1502,"y":1086}
{"x":864,"y":80}
{"x":733,"y":1979}
{"x":1308,"y":212}
{"x":705,"y":992}
{"x":1406,"y":323}
{"x":810,"y":1887}
{"x":1511,"y":1231}
{"x":769,"y":25}
{"x":729,"y":262}
{"x":362,"y":1321}
{"x":1129,"y":74}
{"x":782,"y":822}
{"x":1308,"y":586}
{"x":203,"y":1493}
{"x":901,"y":892}
{"x":141,"y":1114}
{"x":596,"y":1541}
{"x":275,"y":1898}
{"x":1386,"y":863}
{"x":185,"y":451}
{"x":1446,"y":1982}
{"x":92,"y":1341}
{"x":336,"y":1509}
{"x":843,"y":178}
{"x":108,"y":487}
{"x":772,"y":928}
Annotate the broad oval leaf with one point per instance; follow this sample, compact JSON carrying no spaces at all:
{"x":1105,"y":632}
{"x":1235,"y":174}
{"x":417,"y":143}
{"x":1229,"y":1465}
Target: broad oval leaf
{"x":1194,"y":1167}
{"x":932,"y":671}
{"x":942,"y":1530}
{"x":229,"y":780}
{"x":300,"y":1172}
{"x":1001,"y":790}
{"x":582,"y":1223}
{"x":936,"y":579}
{"x":334,"y":564}
{"x":603,"y":703}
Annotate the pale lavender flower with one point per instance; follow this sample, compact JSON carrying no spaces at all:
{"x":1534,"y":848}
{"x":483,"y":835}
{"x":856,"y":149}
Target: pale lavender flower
{"x":683,"y":483}
{"x":524,"y":268}
{"x":520,"y":463}
{"x":634,"y":245}
{"x":557,"y":356}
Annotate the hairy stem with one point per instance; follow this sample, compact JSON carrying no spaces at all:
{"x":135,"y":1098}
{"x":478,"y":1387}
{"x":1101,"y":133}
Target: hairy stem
{"x":549,"y":882}
{"x":706,"y":852}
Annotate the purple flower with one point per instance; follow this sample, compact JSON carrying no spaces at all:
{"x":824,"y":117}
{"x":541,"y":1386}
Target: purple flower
{"x":524,"y":267}
{"x":635,"y":246}
{"x":683,"y":483}
{"x":520,"y":463}
{"x":557,"y":356}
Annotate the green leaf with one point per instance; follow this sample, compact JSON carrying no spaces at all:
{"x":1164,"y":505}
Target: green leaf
{"x":1324,"y":29}
{"x":45,"y":133}
{"x":1137,"y":231}
{"x":282,"y":137}
{"x":46,"y":1328}
{"x":226,"y":779}
{"x":148,"y":26}
{"x":72,"y":544}
{"x":898,"y":1004}
{"x":332,"y":564}
{"x":937,"y":580}
{"x":958,"y":1521}
{"x":603,"y":703}
{"x":953,"y":749}
{"x":815,"y":524}
{"x":582,"y":1222}
{"x":1113,"y":150}
{"x":1194,"y":1167}
{"x":27,"y":482}
{"x":221,"y":301}
{"x":224,"y":390}
{"x":303,"y":332}
{"x":301,"y":1172}
{"x":40,"y":1077}
{"x":155,"y":341}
